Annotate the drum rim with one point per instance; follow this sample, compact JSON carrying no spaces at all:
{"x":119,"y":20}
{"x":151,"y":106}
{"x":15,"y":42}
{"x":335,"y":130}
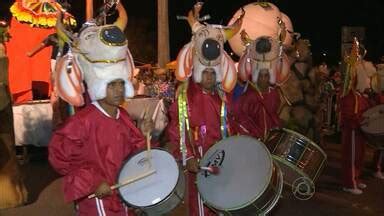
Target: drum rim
{"x":165,"y":198}
{"x":306,"y":138}
{"x":270,"y":173}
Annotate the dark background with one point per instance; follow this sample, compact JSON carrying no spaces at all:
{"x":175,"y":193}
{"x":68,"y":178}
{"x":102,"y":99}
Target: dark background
{"x":318,"y":21}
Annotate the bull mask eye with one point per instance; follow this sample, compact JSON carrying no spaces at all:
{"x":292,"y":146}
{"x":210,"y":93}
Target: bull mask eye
{"x":210,"y":49}
{"x":113,"y":35}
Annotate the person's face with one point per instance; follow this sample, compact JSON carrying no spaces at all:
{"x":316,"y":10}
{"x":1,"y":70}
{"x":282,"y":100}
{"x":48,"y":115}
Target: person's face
{"x":208,"y":79}
{"x":115,"y":92}
{"x":263,"y":79}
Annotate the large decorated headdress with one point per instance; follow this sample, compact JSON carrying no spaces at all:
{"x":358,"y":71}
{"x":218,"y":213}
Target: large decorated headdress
{"x":264,"y":52}
{"x":206,"y":49}
{"x":98,"y":56}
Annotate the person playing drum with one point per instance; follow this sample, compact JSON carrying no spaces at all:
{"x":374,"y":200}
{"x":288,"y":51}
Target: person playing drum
{"x":257,"y":108}
{"x":90,"y":147}
{"x":198,"y":118}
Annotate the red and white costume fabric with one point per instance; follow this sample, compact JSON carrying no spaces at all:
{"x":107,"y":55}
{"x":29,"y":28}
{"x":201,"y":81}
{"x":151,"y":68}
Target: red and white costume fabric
{"x":89,"y":149}
{"x":204,"y":112}
{"x":258,"y":111}
{"x":352,"y":106}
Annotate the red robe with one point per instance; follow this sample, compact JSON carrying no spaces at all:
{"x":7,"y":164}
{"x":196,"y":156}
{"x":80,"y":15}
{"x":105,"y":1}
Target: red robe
{"x":258,"y":111}
{"x":203,"y":113}
{"x":89,"y":149}
{"x":352,"y":106}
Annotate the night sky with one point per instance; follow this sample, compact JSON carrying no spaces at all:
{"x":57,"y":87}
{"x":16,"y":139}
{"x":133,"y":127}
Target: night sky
{"x":318,"y":21}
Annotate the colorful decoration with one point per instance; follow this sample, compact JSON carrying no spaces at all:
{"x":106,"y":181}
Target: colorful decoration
{"x":350,"y":70}
{"x":40,"y":13}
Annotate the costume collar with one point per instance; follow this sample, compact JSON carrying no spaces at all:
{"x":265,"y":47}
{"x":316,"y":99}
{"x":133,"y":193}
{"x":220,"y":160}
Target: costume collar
{"x":97,"y":105}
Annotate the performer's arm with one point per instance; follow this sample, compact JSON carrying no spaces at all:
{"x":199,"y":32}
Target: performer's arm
{"x":123,"y":17}
{"x":67,"y":158}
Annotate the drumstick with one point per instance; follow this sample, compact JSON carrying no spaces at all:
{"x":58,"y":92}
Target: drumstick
{"x":149,"y":149}
{"x":128,"y":181}
{"x":212,"y":169}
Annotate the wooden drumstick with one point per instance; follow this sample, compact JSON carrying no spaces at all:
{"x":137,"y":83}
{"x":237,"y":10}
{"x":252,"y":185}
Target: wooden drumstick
{"x":128,"y":181}
{"x":149,"y":149}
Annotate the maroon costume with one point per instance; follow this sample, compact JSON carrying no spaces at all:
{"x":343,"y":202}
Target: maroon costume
{"x":352,"y":106}
{"x":258,"y":111}
{"x":90,"y":148}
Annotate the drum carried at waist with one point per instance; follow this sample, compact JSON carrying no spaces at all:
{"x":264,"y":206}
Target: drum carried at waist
{"x":300,"y":159}
{"x":373,"y":126}
{"x":157,"y":193}
{"x":248,"y":182}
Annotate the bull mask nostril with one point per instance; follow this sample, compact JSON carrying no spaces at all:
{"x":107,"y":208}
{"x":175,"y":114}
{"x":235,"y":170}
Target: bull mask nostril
{"x":263,"y":45}
{"x":210,"y":49}
{"x":113,"y":35}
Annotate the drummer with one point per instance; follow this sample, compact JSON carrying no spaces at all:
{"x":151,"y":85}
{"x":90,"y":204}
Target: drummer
{"x":90,"y":147}
{"x":204,"y":115}
{"x":257,"y":108}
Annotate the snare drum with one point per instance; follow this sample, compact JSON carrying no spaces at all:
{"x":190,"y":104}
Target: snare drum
{"x":248,"y":181}
{"x":158,"y":193}
{"x":373,"y":126}
{"x":297,"y":155}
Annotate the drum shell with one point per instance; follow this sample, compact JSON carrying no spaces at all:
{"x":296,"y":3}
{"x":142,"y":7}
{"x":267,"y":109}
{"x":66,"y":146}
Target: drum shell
{"x":172,"y":200}
{"x":266,"y":201}
{"x":297,"y":155}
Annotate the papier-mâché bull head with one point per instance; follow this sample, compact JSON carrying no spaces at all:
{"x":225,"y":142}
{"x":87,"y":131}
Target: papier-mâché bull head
{"x":206,"y":49}
{"x":98,"y":56}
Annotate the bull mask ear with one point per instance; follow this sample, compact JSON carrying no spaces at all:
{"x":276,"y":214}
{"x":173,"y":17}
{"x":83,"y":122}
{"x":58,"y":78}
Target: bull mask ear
{"x":231,"y":30}
{"x":184,"y":63}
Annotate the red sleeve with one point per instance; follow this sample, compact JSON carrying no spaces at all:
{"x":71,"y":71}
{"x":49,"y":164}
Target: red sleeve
{"x":67,"y":158}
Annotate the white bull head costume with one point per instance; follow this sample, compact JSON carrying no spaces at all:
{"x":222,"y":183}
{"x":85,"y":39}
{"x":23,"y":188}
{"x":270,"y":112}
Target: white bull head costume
{"x":206,"y":49}
{"x":264,"y":52}
{"x":99,"y":55}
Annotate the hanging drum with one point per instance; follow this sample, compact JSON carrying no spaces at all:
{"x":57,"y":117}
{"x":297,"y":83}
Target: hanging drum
{"x":300,"y":159}
{"x":247,"y":183}
{"x":373,"y":126}
{"x":160,"y":191}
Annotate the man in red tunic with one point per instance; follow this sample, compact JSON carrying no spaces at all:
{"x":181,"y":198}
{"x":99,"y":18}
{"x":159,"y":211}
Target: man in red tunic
{"x":205,"y":111}
{"x":90,"y":147}
{"x":257,"y":109}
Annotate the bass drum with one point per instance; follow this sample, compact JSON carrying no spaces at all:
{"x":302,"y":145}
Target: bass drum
{"x":248,"y":182}
{"x":158,"y":193}
{"x":300,"y":159}
{"x":373,"y":126}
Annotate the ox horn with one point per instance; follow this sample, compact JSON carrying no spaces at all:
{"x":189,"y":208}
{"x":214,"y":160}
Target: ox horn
{"x":245,"y":38}
{"x":193,"y":15}
{"x":62,"y":32}
{"x":231,"y":30}
{"x":122,"y":20}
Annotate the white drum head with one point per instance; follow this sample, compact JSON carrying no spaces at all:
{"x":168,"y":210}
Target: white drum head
{"x":154,"y":188}
{"x":245,"y":170}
